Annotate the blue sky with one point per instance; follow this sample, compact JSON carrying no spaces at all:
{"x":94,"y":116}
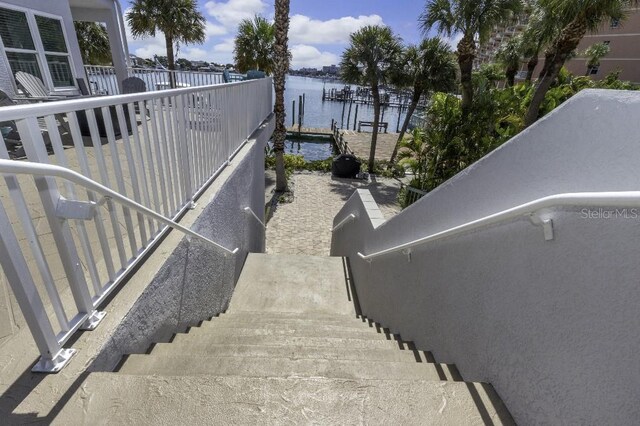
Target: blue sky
{"x":319,"y":30}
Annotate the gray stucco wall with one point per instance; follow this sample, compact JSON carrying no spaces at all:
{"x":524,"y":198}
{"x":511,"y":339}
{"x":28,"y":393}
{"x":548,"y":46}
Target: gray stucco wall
{"x":197,"y":280}
{"x":553,"y":325}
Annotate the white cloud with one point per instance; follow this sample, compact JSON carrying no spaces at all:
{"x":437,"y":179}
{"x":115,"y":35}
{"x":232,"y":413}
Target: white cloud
{"x":303,"y":29}
{"x":303,"y":55}
{"x":453,"y":40}
{"x":213,"y":30}
{"x":226,"y":46}
{"x":230,"y":13}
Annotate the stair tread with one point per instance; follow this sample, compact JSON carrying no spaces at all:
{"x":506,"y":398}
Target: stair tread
{"x":233,"y":400}
{"x":349,"y":322}
{"x":189,"y":365}
{"x":206,"y":339}
{"x":213,"y":329}
{"x":294,"y":352}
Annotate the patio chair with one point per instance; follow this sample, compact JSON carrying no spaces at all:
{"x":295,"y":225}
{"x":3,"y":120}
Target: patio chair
{"x":34,"y":88}
{"x":12,"y":137}
{"x":133,"y":85}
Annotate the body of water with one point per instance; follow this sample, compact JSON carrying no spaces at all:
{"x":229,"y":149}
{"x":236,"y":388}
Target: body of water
{"x":310,"y":150}
{"x":319,"y":114}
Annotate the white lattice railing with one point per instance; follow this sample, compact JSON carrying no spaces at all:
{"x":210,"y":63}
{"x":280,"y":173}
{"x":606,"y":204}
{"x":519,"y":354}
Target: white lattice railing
{"x":67,"y":244}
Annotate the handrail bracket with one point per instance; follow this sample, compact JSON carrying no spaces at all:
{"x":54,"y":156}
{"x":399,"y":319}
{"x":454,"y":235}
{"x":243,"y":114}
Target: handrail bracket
{"x":73,"y":209}
{"x":547,"y":224}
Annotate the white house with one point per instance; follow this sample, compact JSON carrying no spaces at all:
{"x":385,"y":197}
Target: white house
{"x":38,"y":37}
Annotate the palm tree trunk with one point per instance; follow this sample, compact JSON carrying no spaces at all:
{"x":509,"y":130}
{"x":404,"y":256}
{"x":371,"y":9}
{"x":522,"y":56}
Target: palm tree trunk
{"x":281,"y":66}
{"x":554,"y":60}
{"x":412,"y":108}
{"x":531,"y":66}
{"x":466,"y":54}
{"x":510,"y":73}
{"x":170,"y":59}
{"x":376,"y":122}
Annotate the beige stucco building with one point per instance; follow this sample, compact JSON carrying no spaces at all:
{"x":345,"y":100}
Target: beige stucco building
{"x":623,"y":39}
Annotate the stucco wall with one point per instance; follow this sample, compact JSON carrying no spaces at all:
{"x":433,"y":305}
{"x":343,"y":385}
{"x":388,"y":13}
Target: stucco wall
{"x":553,"y":325}
{"x":196,"y":281}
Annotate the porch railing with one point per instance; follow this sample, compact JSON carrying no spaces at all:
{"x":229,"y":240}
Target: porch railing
{"x":68,"y":244}
{"x":103,"y":80}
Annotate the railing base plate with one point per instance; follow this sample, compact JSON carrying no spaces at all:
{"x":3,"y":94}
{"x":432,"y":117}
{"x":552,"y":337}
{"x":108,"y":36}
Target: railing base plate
{"x":93,"y":321}
{"x":56,"y":364}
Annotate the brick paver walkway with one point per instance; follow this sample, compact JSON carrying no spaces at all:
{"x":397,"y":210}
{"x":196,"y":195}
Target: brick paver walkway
{"x":304,"y":226}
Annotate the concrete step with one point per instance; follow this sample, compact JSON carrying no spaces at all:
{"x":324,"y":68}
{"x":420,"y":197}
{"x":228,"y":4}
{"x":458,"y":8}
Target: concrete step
{"x":318,"y":316}
{"x":150,"y":400}
{"x":193,"y":365}
{"x":292,"y":283}
{"x":261,"y":320}
{"x":336,"y":342}
{"x":320,"y":331}
{"x":291,"y":352}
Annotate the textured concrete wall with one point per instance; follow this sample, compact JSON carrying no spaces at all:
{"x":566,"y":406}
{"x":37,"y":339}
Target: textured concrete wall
{"x":552,"y":325}
{"x":196,"y":281}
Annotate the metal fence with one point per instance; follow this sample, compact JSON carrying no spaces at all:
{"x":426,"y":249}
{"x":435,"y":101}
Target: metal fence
{"x":103,"y":81}
{"x":67,"y":246}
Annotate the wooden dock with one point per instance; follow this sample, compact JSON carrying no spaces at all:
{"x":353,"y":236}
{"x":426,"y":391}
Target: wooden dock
{"x":350,"y":141}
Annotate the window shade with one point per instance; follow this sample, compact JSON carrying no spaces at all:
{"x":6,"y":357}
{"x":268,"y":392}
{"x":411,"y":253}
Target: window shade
{"x":51,"y":34}
{"x":14,"y":30}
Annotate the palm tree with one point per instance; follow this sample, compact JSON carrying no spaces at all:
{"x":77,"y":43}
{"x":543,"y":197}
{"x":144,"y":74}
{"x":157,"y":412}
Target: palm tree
{"x":594,"y":54}
{"x":369,"y":60}
{"x":474,"y":20}
{"x":179,"y":21}
{"x":575,"y":18}
{"x":541,"y":29}
{"x":429,"y":67}
{"x":94,"y":43}
{"x":254,"y":45}
{"x":509,"y":55}
{"x":280,"y":68}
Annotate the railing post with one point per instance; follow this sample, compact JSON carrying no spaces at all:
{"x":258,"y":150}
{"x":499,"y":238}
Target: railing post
{"x":50,"y":195}
{"x":184,"y":136}
{"x":15,"y":268}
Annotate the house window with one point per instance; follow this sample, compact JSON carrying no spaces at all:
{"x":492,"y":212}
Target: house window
{"x":615,"y":22}
{"x":36,"y":44}
{"x":594,"y":70}
{"x":606,"y":43}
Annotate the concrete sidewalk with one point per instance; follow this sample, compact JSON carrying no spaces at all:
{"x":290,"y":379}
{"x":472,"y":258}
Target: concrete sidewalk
{"x":304,"y":226}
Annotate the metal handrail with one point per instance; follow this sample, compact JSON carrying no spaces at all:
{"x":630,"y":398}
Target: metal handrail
{"x":49,"y":170}
{"x":252,"y":213}
{"x":344,"y":222}
{"x":17,"y":112}
{"x":532,"y":209}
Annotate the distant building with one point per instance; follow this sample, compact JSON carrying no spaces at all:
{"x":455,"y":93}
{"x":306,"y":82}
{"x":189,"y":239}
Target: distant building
{"x":331,"y":69}
{"x":199,"y":64}
{"x":309,"y":71}
{"x":623,"y":39}
{"x":136,"y":61}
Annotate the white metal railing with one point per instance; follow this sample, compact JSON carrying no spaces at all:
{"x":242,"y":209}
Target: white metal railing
{"x":535,"y":210}
{"x":157,"y":150}
{"x":102,"y":80}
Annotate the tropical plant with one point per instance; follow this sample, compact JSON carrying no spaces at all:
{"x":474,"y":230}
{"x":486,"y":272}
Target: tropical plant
{"x":94,"y":43}
{"x":474,"y":20}
{"x":280,"y":68}
{"x":575,"y":18}
{"x":594,"y":54}
{"x":415,"y":155}
{"x":178,"y":20}
{"x":369,"y":60}
{"x":254,"y":45}
{"x":429,"y":67}
{"x":509,"y":55}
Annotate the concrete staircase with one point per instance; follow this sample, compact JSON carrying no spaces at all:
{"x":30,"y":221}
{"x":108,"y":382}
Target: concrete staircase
{"x":290,"y":349}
